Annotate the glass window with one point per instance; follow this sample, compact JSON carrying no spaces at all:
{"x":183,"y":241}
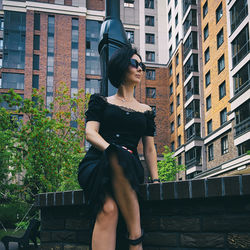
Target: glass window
{"x":208,"y":102}
{"x":241,"y":78}
{"x":1,"y":62}
{"x":177,"y":79}
{"x":223,"y":116}
{"x":170,"y":51}
{"x":153,"y":109}
{"x":1,"y":44}
{"x":191,"y":20}
{"x":170,"y":33}
{"x":207,"y":78}
{"x":149,"y":20}
{"x":35,"y":81}
{"x":150,"y":56}
{"x":190,"y":43}
{"x":221,"y":64}
{"x":1,"y":23}
{"x":224,"y":145}
{"x":210,"y":150}
{"x":92,"y":86}
{"x":150,"y":38}
{"x":36,"y":42}
{"x":219,"y":12}
{"x":36,"y":62}
{"x":222,"y":90}
{"x":172,"y":146}
{"x":205,"y":9}
{"x":177,"y":59}
{"x":170,"y":70}
{"x":171,"y":108}
{"x":172,"y":127}
{"x":178,"y":100}
{"x":179,"y":160}
{"x":150,"y":74}
{"x":243,"y":148}
{"x":177,"y":39}
{"x":193,"y":131}
{"x":12,"y":80}
{"x":179,"y":140}
{"x":36,"y":21}
{"x":130,"y":36}
{"x":191,"y":65}
{"x":207,"y":55}
{"x":149,"y":4}
{"x":150,"y":92}
{"x":192,"y":110}
{"x":169,"y":15}
{"x":171,"y":89}
{"x":206,"y":32}
{"x":209,"y":127}
{"x":178,"y":120}
{"x":176,"y":20}
{"x":220,"y":38}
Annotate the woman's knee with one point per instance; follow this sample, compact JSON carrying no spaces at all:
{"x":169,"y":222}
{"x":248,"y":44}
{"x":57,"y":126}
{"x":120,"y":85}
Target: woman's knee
{"x":109,"y":211}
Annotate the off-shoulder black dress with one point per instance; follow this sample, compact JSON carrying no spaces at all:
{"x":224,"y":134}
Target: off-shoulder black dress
{"x":119,"y":126}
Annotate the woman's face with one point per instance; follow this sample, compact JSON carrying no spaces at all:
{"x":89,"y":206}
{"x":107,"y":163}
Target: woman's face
{"x":134,"y":74}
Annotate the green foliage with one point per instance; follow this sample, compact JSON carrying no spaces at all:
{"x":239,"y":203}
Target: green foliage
{"x":168,"y":167}
{"x":41,"y":153}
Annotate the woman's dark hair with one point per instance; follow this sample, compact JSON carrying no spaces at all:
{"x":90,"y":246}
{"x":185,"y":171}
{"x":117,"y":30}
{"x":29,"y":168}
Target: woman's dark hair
{"x":119,"y":63}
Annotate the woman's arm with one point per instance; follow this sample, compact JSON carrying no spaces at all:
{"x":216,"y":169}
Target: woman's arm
{"x":150,"y":155}
{"x":93,"y":136}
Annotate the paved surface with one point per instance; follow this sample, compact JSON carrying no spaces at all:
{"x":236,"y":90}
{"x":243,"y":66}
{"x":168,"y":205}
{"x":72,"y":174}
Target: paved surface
{"x":14,"y":246}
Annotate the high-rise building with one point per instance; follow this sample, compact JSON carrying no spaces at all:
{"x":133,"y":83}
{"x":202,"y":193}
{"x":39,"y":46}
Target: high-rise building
{"x":197,"y":76}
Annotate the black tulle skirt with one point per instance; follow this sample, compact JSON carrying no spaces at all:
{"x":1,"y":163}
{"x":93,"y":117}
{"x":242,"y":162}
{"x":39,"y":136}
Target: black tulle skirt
{"x":95,"y":174}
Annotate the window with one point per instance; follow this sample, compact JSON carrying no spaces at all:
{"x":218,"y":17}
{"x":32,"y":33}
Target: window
{"x":150,"y":56}
{"x":177,"y":39}
{"x":205,"y":9}
{"x":35,"y":81}
{"x":36,"y":21}
{"x":177,"y":60}
{"x":206,"y":32}
{"x":178,"y":100}
{"x":172,"y":146}
{"x":209,"y":127}
{"x":179,"y":140}
{"x":222,"y":90}
{"x":150,"y":74}
{"x":192,"y":87}
{"x":150,"y":38}
{"x":36,"y":44}
{"x":1,"y":62}
{"x":36,"y":62}
{"x":208,"y":102}
{"x":169,"y":15}
{"x":12,"y":80}
{"x":241,"y":78}
{"x":153,"y":109}
{"x":193,"y":131}
{"x":190,"y":43}
{"x":177,"y":79}
{"x":1,"y":44}
{"x":128,"y":3}
{"x":150,"y":92}
{"x":149,"y":21}
{"x":171,"y":89}
{"x":171,"y":108}
{"x":220,"y":38}
{"x":170,"y":70}
{"x":179,"y":120}
{"x":207,"y":78}
{"x":191,"y":65}
{"x":210,"y":150}
{"x":219,"y":12}
{"x":207,"y":55}
{"x":191,"y":20}
{"x":179,"y":160}
{"x":170,"y":51}
{"x":172,"y":127}
{"x":221,"y":64}
{"x":175,"y":3}
{"x":192,"y":110}
{"x":92,"y":86}
{"x":224,"y":145}
{"x":130,"y":36}
{"x":223,"y":116}
{"x":243,"y":148}
{"x":149,"y":4}
{"x":170,"y":33}
{"x":1,"y":23}
{"x":176,"y":20}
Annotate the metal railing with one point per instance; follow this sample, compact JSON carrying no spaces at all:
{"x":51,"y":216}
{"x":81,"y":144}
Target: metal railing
{"x":186,"y":4}
{"x":239,"y":18}
{"x":192,"y":115}
{"x":242,"y":127}
{"x":241,"y":53}
{"x":237,"y":90}
{"x":189,"y":69}
{"x":193,"y":162}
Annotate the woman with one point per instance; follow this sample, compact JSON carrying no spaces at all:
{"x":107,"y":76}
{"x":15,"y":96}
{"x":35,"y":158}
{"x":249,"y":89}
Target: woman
{"x":111,"y":171}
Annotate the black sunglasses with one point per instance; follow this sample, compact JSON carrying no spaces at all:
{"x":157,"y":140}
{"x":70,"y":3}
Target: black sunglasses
{"x":136,"y":64}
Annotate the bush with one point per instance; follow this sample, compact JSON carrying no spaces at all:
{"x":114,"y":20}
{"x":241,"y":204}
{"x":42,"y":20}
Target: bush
{"x":12,"y":213}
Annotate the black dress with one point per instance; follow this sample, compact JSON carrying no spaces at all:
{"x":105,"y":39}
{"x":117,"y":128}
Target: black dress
{"x":121,"y":127}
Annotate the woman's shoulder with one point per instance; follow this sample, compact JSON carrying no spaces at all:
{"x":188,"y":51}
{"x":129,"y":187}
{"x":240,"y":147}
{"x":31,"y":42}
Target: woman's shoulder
{"x":98,"y":98}
{"x":144,"y":107}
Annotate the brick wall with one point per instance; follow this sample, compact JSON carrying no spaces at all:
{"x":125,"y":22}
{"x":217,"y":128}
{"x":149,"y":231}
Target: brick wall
{"x":209,"y":213}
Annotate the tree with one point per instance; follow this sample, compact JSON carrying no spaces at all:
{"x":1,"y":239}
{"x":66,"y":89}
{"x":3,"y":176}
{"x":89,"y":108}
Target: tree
{"x":168,"y":167}
{"x":44,"y":150}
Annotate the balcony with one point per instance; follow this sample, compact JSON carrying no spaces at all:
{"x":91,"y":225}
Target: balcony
{"x":193,"y":157}
{"x":191,"y":43}
{"x":193,"y":132}
{"x":238,"y":13}
{"x":242,"y":78}
{"x":186,"y":4}
{"x":192,"y":88}
{"x":192,"y":110}
{"x":241,"y":53}
{"x":242,"y":128}
{"x":191,"y":20}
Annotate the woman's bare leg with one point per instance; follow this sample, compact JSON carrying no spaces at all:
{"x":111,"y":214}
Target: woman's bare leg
{"x":127,"y":201}
{"x":104,"y":233}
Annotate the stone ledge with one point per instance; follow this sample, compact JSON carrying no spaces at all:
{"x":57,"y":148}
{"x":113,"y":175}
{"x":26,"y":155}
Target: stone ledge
{"x":238,"y":185}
